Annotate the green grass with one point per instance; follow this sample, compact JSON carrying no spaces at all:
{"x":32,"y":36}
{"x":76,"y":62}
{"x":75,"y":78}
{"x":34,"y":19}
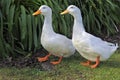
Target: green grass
{"x":69,"y":69}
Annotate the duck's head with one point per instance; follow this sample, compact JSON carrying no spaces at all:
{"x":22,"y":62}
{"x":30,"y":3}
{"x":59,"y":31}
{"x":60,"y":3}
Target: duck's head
{"x":72,"y":9}
{"x":44,"y":10}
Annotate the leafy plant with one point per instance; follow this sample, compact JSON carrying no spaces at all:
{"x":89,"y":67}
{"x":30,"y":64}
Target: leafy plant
{"x":20,"y":31}
{"x":100,"y":17}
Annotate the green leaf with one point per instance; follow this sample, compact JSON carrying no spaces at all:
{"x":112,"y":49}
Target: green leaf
{"x":23,"y":23}
{"x":30,"y":36}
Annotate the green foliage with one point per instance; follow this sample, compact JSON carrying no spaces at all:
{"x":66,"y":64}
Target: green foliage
{"x":99,"y":16}
{"x":20,"y":31}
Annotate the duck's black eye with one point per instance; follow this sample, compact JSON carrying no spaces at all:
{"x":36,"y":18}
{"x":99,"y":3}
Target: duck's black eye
{"x":72,"y":7}
{"x":44,"y":7}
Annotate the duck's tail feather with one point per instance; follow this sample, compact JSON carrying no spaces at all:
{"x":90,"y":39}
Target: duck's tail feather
{"x":114,"y":48}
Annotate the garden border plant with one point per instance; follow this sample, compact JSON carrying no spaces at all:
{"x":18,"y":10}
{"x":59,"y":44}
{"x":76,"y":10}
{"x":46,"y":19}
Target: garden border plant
{"x":20,"y":31}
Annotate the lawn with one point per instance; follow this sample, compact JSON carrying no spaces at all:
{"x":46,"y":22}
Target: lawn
{"x":68,"y":69}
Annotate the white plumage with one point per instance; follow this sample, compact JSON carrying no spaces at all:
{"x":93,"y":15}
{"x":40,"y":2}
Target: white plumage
{"x":56,"y":44}
{"x":89,"y":46}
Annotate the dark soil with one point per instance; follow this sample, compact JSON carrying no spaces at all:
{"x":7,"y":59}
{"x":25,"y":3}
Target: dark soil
{"x":31,"y":62}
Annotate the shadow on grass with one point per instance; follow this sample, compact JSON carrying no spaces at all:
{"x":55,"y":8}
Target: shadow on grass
{"x":111,"y":64}
{"x":74,"y":59}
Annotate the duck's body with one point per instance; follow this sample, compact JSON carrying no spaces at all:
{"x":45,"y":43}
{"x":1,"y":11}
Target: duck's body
{"x":55,"y":44}
{"x":90,"y":47}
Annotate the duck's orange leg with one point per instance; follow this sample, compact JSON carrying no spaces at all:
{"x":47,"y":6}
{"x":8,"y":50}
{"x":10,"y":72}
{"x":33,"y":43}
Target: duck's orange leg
{"x":43,"y":58}
{"x":97,"y":62}
{"x":57,"y":62}
{"x":87,"y":63}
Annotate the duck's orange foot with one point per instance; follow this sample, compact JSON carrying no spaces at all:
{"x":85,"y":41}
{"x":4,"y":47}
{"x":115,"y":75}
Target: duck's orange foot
{"x":97,"y":62}
{"x":93,"y":66}
{"x":85,"y":63}
{"x":43,"y":58}
{"x":56,"y":62}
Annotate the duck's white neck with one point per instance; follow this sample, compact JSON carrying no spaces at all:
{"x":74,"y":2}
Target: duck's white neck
{"x":78,"y":27}
{"x":47,"y":26}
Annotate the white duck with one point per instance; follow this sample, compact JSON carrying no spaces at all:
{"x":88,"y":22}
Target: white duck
{"x":55,"y":44}
{"x":90,"y":47}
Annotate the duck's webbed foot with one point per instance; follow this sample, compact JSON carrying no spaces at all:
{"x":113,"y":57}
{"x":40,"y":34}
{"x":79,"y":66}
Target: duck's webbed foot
{"x":56,"y":62}
{"x":87,"y":63}
{"x":97,"y":62}
{"x":43,"y":58}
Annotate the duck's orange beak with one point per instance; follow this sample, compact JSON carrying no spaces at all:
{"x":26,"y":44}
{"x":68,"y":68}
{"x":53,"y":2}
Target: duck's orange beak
{"x":64,"y":12}
{"x":36,"y":13}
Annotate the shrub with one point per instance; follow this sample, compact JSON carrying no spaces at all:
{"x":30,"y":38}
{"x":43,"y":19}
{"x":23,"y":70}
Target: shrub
{"x":20,"y":31}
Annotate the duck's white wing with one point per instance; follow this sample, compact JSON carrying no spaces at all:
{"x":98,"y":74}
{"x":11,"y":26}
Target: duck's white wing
{"x":99,"y":46}
{"x":63,"y":41}
{"x":60,"y":44}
